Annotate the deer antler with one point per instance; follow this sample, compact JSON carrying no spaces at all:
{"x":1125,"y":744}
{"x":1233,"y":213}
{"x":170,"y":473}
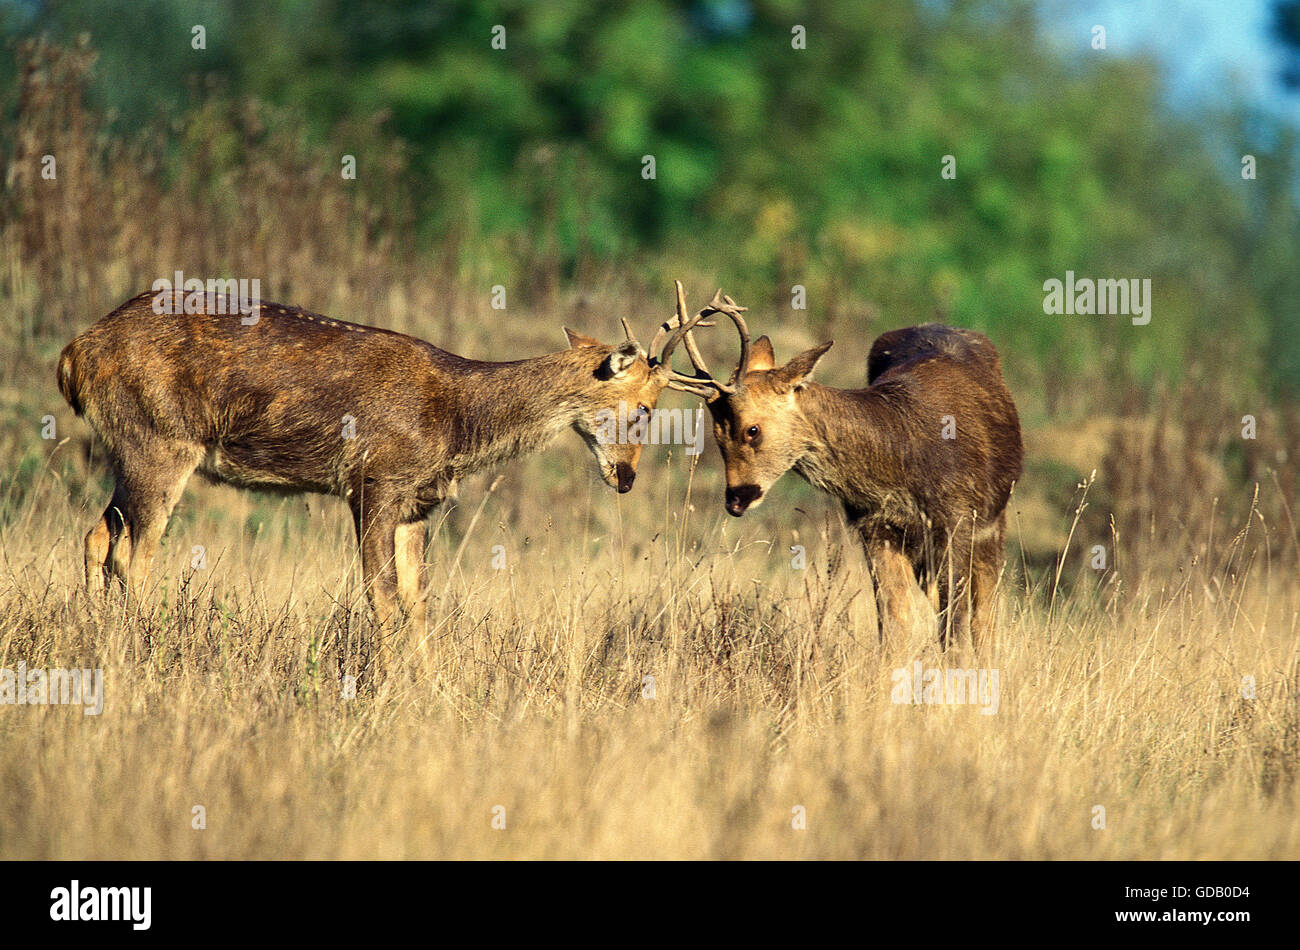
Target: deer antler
{"x":670,"y":334}
{"x":721,"y":303}
{"x":679,"y":328}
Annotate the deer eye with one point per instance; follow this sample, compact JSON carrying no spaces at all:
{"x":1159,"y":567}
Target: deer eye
{"x":642,"y":410}
{"x":752,"y":434}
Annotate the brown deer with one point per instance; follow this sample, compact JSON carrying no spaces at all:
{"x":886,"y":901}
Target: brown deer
{"x":923,"y":459}
{"x":276,"y":398}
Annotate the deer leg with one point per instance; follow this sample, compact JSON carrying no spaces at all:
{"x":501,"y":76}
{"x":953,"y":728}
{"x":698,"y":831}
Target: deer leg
{"x":984,"y":578}
{"x":376,"y":526}
{"x":409,"y":541}
{"x":954,"y":609}
{"x":927,"y":580}
{"x":894,"y":581}
{"x":119,"y":553}
{"x":955,"y":591}
{"x":149,"y":507}
{"x":148,"y":522}
{"x":98,"y":542}
{"x":103,"y":538}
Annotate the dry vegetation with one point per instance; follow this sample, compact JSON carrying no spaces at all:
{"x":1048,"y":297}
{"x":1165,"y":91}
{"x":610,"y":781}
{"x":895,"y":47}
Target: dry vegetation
{"x":1121,"y":688}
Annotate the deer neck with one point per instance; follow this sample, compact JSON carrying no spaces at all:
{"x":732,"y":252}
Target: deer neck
{"x":847,"y":435}
{"x":512,"y":409}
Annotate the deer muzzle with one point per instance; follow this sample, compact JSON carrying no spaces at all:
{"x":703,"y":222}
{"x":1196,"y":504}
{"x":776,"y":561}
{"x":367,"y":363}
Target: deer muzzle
{"x":740,"y":498}
{"x":626,"y":475}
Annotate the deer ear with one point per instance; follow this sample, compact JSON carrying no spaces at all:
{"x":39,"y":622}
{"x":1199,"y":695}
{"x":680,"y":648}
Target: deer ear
{"x":577,"y":339}
{"x":761,"y":355}
{"x":792,"y":374}
{"x":618,"y":363}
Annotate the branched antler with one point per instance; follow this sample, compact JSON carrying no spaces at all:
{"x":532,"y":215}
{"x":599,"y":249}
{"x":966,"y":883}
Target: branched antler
{"x":721,"y":303}
{"x":671,"y":333}
{"x":679,"y":329}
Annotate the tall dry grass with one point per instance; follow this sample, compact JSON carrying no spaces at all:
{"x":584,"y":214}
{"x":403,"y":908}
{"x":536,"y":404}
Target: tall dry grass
{"x":769,"y":692}
{"x":1164,"y":688}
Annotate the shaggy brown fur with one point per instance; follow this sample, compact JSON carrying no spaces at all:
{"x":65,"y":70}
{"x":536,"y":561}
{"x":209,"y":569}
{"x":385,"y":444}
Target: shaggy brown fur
{"x":299,"y":402}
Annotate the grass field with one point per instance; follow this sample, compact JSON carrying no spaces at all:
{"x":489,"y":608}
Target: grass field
{"x":530,"y":706}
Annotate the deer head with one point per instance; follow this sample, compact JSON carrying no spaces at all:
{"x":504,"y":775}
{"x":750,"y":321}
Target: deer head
{"x":757,"y":422}
{"x":622,"y":383}
{"x":632,"y":379}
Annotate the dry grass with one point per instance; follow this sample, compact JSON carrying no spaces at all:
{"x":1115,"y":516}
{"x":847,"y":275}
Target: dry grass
{"x":769,"y":694}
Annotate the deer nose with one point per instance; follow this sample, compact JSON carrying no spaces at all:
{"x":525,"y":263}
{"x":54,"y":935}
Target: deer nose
{"x":741,"y":497}
{"x":626,"y":476}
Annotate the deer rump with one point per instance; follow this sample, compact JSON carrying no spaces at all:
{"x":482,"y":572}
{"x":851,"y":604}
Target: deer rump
{"x":900,"y":346}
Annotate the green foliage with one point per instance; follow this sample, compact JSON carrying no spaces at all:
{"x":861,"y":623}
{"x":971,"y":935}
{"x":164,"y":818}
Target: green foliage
{"x":776,"y":165}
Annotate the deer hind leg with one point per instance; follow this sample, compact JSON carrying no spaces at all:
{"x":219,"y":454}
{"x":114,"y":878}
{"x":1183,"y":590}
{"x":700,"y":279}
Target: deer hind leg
{"x":988,"y":560}
{"x":955,"y":590}
{"x":409,"y":540}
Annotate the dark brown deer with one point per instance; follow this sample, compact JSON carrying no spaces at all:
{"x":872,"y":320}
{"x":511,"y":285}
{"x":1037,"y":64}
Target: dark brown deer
{"x":923,"y":459}
{"x":276,"y":398}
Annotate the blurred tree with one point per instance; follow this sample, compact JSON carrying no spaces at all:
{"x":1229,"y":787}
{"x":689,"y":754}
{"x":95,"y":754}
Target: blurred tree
{"x":778,"y":162}
{"x":1286,"y":29}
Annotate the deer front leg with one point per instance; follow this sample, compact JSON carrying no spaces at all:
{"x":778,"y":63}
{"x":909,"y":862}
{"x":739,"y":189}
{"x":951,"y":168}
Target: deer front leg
{"x":109,"y":532}
{"x":376,"y":526}
{"x":409,"y":542}
{"x":150,"y":484}
{"x":984,"y":577}
{"x":895,"y":586}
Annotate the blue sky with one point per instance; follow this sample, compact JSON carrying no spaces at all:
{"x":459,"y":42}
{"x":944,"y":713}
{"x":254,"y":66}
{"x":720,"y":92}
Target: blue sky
{"x":1210,"y":49}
